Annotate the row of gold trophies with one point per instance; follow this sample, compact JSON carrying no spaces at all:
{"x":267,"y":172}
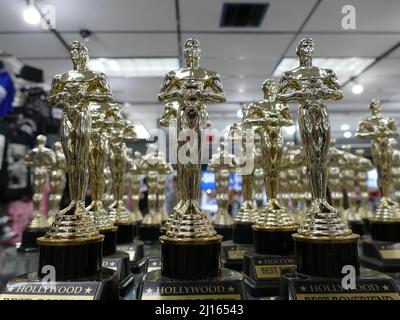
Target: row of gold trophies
{"x":318,"y":241}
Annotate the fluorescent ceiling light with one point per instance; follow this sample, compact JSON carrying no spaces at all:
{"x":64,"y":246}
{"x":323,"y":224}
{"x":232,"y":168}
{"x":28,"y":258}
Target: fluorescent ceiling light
{"x":344,"y":68}
{"x":141,"y":131}
{"x":133,"y":67}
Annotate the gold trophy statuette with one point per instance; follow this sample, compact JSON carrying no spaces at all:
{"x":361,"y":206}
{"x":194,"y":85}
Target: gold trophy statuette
{"x":323,"y":226}
{"x":164,"y":171}
{"x":335,"y":166}
{"x":57,"y":182}
{"x":222,"y":165}
{"x":102,"y":118}
{"x":385,"y":225}
{"x":191,"y":246}
{"x":120,"y":132}
{"x":244,"y":139}
{"x":73,"y":244}
{"x":274,"y":226}
{"x":41,"y":161}
{"x":361,"y":168}
{"x":136,"y":178}
{"x":154,"y":167}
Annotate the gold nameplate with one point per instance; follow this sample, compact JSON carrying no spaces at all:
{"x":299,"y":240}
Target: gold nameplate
{"x":236,"y":254}
{"x":390,"y":254}
{"x":271,"y":271}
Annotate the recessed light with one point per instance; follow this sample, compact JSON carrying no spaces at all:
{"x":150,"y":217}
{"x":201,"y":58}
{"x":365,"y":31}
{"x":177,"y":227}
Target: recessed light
{"x":240,"y":90}
{"x":344,"y":127}
{"x":31,"y":14}
{"x":347,"y":134}
{"x":357,"y":88}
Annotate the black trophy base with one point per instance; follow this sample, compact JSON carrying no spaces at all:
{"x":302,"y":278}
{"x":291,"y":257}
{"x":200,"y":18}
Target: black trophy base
{"x":152,"y":263}
{"x":366,"y":226}
{"x":242,"y":233}
{"x":71,"y":261}
{"x":381,"y":255}
{"x":326,"y":257}
{"x":369,"y":285}
{"x":273,"y":242}
{"x":385,"y":231}
{"x":232,"y":255}
{"x":109,"y":242}
{"x":226,"y":285}
{"x":119,"y":262}
{"x":149,"y":232}
{"x":102,"y":286}
{"x":225,"y":231}
{"x":29,"y":236}
{"x":190,"y":259}
{"x":357,"y":227}
{"x":261,"y":273}
{"x":125,"y":233}
{"x":135,"y":251}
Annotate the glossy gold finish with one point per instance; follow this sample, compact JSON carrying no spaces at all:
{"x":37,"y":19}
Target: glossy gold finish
{"x":238,"y":134}
{"x":349,"y":161}
{"x":57,"y":182}
{"x":271,"y":116}
{"x":191,"y":87}
{"x":102,"y":119}
{"x":379,"y":130}
{"x":156,"y":169}
{"x":79,"y":92}
{"x":132,"y":181}
{"x":335,"y":166}
{"x":311,"y":87}
{"x":41,"y":161}
{"x":120,"y":132}
{"x":165,"y":170}
{"x":108,"y":197}
{"x":361,"y":168}
{"x":222,"y":165}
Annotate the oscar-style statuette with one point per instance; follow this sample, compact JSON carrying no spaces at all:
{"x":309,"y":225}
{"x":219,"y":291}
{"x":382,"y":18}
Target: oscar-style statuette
{"x":57,"y":182}
{"x":190,"y":248}
{"x":120,"y":132}
{"x":152,"y":166}
{"x":381,"y":252}
{"x":335,"y":181}
{"x":324,"y":244}
{"x":274,"y":225}
{"x":41,"y":161}
{"x":73,"y":244}
{"x":222,"y":165}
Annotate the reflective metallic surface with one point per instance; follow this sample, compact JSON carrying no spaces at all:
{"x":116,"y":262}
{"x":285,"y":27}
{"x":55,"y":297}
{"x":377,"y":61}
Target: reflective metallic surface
{"x":41,"y":161}
{"x":191,"y":87}
{"x":271,"y":116}
{"x":379,"y":130}
{"x":132,"y":181}
{"x":222,"y":165}
{"x":78,"y":91}
{"x":57,"y":182}
{"x":120,"y":132}
{"x":335,"y":166}
{"x":311,"y":87}
{"x":361,"y":168}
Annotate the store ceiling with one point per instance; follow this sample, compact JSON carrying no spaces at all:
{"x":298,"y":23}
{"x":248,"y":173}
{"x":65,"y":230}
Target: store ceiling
{"x":244,"y":57}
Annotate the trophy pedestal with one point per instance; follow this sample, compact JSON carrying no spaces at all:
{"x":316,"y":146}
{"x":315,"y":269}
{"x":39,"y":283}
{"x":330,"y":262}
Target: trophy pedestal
{"x":381,"y":255}
{"x":149,"y":232}
{"x":71,"y":259}
{"x":226,"y":285}
{"x":190,"y":258}
{"x":370,"y":285}
{"x":125,"y":233}
{"x":325,"y":257}
{"x":109,"y":242}
{"x":261,"y":273}
{"x":119,"y":262}
{"x":242,"y":233}
{"x":29,"y":236}
{"x":273,"y":241}
{"x":152,"y":263}
{"x":232,"y":255}
{"x":366,"y":225}
{"x":163,"y":229}
{"x":103,"y":285}
{"x":135,"y":251}
{"x":358,"y":227}
{"x":385,"y":231}
{"x":224,"y":230}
